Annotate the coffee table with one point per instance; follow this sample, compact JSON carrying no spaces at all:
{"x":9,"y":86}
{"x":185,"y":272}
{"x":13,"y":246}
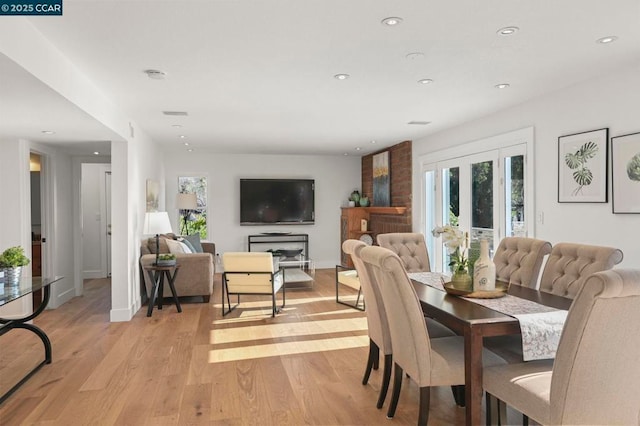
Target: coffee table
{"x":297,"y":269}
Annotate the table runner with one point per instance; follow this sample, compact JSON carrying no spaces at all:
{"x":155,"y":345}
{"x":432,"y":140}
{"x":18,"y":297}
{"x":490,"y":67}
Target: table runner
{"x":540,"y":325}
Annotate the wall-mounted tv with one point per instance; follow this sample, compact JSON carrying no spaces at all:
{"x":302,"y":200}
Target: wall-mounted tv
{"x":277,"y":201}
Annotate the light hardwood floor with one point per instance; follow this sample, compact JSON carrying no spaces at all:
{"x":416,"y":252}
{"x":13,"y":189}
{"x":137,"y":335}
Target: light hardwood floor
{"x":196,"y":367}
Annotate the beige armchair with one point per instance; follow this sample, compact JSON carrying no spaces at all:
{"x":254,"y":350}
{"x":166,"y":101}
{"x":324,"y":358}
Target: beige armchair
{"x":196,"y":269}
{"x":570,"y":264}
{"x":251,"y":273}
{"x":429,"y":362}
{"x":410,"y":247}
{"x":518,"y":260}
{"x":595,"y":376}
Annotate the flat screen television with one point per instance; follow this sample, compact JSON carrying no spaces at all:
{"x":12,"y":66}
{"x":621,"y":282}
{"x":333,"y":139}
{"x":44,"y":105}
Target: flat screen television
{"x":277,"y":201}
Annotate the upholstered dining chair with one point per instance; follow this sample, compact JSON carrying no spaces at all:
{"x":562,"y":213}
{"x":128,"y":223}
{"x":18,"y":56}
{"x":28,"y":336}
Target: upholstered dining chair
{"x":379,"y":335}
{"x":594,"y":378}
{"x":565,"y":272}
{"x":410,"y":247}
{"x":251,"y":273}
{"x":518,"y":260}
{"x":429,"y":362}
{"x":570,"y":264}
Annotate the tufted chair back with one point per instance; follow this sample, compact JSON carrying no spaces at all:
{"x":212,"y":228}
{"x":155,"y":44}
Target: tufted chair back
{"x":410,"y":248}
{"x":570,"y":264}
{"x":518,"y":260}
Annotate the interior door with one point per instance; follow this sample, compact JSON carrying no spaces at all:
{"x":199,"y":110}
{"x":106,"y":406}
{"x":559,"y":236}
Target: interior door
{"x":107,"y":201}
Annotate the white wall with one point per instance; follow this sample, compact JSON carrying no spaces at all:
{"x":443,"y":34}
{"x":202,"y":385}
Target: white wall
{"x":15,"y":216}
{"x":132,"y":157}
{"x":335,"y":178}
{"x":609,"y":101}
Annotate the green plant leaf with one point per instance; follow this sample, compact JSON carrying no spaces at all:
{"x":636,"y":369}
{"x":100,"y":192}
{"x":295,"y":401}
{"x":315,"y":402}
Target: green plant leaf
{"x":633,"y":168}
{"x":588,"y":150}
{"x":572,"y":161}
{"x":583,"y":176}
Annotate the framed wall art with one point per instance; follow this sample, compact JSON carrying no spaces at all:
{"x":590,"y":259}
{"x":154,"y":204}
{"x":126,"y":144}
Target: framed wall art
{"x":152,"y":195}
{"x":625,"y":175}
{"x":381,"y":180}
{"x":582,"y":167}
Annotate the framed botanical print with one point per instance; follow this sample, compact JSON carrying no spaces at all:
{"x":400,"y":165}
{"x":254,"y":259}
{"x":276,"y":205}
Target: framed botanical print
{"x":625,"y":175}
{"x":582,"y":167}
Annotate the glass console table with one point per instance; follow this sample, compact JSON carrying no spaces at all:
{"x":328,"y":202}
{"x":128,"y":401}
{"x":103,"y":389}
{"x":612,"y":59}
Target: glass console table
{"x":9,"y":293}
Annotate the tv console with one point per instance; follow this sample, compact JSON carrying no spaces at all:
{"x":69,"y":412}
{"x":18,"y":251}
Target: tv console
{"x":273,"y":239}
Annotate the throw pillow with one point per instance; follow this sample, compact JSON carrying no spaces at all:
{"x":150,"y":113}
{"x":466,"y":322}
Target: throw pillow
{"x":188,"y":244}
{"x":195,"y":242}
{"x":176,"y":247}
{"x":151,"y":244}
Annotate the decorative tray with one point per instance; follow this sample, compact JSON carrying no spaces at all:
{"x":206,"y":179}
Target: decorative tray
{"x":500,"y":291}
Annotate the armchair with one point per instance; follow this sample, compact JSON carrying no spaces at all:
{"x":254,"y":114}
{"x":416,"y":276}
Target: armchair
{"x":251,"y":273}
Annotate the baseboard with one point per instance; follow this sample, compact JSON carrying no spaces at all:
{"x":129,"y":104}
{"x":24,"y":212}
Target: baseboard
{"x":120,"y":315}
{"x":91,"y":275}
{"x":62,"y":298}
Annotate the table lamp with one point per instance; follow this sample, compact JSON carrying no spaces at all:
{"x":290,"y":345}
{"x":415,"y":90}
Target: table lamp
{"x":185,"y":203}
{"x":156,"y":223}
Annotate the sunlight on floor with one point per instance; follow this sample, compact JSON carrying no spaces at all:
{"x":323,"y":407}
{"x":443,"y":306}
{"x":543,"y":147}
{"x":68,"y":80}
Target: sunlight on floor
{"x":288,"y":348}
{"x":251,"y":311}
{"x":270,"y":331}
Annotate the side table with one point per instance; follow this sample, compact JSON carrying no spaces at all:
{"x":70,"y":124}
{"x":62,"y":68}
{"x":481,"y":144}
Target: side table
{"x":157,"y":275}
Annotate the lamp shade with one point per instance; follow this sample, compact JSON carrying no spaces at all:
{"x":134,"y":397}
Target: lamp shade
{"x":186,"y":201}
{"x":156,"y":223}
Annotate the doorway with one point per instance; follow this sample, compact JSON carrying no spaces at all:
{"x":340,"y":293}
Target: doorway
{"x":36,"y":167}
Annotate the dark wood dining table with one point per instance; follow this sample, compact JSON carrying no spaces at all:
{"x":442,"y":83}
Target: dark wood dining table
{"x":474,"y":322}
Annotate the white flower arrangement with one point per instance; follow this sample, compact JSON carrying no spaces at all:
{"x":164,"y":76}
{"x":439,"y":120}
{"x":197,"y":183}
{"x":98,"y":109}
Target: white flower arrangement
{"x":456,"y":242}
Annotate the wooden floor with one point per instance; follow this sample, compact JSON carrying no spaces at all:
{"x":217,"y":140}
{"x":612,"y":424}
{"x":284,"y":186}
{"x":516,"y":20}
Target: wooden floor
{"x":196,"y":367}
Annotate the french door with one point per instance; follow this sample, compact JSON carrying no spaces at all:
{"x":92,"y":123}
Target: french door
{"x":483,"y":193}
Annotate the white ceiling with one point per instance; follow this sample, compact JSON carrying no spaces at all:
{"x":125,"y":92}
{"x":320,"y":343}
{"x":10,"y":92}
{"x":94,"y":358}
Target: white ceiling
{"x":257,"y":76}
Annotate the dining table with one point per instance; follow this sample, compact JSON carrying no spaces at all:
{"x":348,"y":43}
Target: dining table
{"x":474,"y":322}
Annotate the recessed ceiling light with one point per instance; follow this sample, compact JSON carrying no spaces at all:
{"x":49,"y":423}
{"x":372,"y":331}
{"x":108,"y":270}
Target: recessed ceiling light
{"x":501,"y":86}
{"x":186,"y":144}
{"x":373,"y":141}
{"x":182,"y":136}
{"x":341,"y":76}
{"x":391,"y":21}
{"x":358,"y":148}
{"x":177,"y":126}
{"x":48,"y":132}
{"x":190,"y":150}
{"x":155,"y":74}
{"x":345,"y":154}
{"x":425,"y":81}
{"x":606,"y":40}
{"x":96,"y":153}
{"x":508,"y":30}
{"x":414,"y":55}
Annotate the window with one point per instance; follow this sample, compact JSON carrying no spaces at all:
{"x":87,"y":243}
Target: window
{"x":194,"y":221}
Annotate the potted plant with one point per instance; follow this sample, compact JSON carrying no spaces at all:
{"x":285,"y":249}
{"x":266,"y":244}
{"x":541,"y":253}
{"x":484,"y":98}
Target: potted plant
{"x":166,"y":259}
{"x":11,"y":262}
